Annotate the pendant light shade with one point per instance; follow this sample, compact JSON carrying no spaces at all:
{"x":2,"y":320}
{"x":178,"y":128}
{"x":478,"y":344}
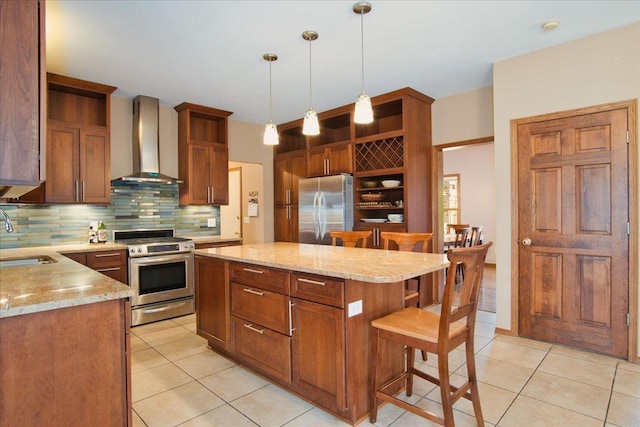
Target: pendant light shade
{"x":270,"y":130}
{"x":363,"y":113}
{"x":310,"y":125}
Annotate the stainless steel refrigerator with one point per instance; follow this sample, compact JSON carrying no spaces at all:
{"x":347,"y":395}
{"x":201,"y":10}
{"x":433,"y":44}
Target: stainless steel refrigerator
{"x":324,"y":204}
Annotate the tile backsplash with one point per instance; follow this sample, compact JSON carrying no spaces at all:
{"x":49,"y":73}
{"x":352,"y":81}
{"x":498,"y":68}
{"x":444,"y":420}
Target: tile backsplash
{"x":133,"y":206}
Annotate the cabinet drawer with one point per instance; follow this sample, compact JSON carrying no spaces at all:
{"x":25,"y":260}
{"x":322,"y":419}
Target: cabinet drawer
{"x":263,"y":307}
{"x":100,"y":259}
{"x":262,"y":277}
{"x":323,"y":290}
{"x":118,"y":273}
{"x":262,"y":348}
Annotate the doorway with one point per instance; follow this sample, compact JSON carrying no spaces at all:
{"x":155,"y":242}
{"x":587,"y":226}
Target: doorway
{"x":572,"y":221}
{"x":231,"y":214}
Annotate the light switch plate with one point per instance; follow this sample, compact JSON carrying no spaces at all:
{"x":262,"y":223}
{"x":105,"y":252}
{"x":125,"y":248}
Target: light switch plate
{"x":355,"y":308}
{"x":211,"y":222}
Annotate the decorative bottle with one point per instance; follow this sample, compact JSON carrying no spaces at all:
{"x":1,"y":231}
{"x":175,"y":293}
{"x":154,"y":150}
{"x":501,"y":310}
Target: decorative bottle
{"x":92,"y":235}
{"x":102,"y":233}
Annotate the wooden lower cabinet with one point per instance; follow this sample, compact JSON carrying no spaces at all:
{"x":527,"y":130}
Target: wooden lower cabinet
{"x":109,"y":263}
{"x":294,"y":328}
{"x":318,"y":357}
{"x":208,"y":245}
{"x":212,"y":301}
{"x":67,"y":367}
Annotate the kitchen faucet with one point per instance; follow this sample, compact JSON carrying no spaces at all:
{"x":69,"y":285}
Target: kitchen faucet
{"x":7,"y":221}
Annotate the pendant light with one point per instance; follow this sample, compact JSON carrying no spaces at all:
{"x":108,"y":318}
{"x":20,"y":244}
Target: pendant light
{"x":270,"y":130}
{"x":310,"y":125}
{"x":364,"y":112}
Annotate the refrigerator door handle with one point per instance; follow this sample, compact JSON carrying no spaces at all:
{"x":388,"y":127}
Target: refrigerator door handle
{"x":315,"y":215}
{"x":322,"y":215}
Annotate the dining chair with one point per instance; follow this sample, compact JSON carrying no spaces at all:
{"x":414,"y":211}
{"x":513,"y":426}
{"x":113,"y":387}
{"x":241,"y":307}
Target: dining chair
{"x":452,"y":227}
{"x":351,"y":239}
{"x":435,"y":333}
{"x":476,"y":235}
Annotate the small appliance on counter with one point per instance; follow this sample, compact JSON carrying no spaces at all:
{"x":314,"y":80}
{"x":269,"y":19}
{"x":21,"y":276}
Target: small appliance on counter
{"x":161,"y":272}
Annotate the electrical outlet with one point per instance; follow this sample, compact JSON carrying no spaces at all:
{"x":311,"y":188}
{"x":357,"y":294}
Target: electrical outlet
{"x":211,"y":222}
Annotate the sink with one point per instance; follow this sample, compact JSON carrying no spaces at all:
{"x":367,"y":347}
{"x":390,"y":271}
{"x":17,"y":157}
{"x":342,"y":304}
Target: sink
{"x":26,"y":261}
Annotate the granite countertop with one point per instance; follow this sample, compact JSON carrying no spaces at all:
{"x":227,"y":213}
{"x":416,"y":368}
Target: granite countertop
{"x":64,"y":283}
{"x":368,"y":265}
{"x":212,"y":239}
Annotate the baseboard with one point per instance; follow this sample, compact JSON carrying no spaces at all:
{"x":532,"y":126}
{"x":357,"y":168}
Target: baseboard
{"x":501,"y":331}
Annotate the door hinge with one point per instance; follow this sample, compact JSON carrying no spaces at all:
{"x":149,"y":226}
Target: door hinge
{"x":628,"y":319}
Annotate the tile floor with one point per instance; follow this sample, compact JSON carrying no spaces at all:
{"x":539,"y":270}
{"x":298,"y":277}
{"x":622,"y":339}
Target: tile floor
{"x":178,"y":381}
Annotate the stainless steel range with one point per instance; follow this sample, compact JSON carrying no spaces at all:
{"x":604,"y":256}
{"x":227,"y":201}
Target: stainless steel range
{"x":161,"y":271}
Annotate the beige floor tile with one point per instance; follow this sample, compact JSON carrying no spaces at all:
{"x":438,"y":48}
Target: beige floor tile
{"x":409,"y":419}
{"x":626,"y":366}
{"x":569,"y":394}
{"x":186,"y":347}
{"x":487,"y":330}
{"x":316,"y":418}
{"x":388,"y":413}
{"x":152,"y":327}
{"x":479,"y":342}
{"x":271,"y":406}
{"x":156,"y":380}
{"x":146,"y":359}
{"x":624,"y":410}
{"x":137,"y":421}
{"x":191,"y":327}
{"x":513,"y":353}
{"x":486,"y":317}
{"x":534,"y":413}
{"x":500,"y":374}
{"x":177,"y":405}
{"x":627,"y":382}
{"x":223,"y":416}
{"x":183,"y":320}
{"x":165,"y":336}
{"x":578,"y":369}
{"x":538,"y":345}
{"x":584,"y":355}
{"x":494,"y":400}
{"x":202,"y":364}
{"x":137,"y":344}
{"x":456,"y":359}
{"x":234,"y":382}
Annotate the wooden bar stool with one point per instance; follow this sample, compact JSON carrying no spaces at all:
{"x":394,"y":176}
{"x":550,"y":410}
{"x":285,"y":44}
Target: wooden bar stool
{"x":476,"y":235}
{"x":351,"y":239}
{"x":436,"y":333}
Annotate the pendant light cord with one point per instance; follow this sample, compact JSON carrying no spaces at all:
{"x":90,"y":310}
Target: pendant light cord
{"x":310,"y":78}
{"x":270,"y":95}
{"x":362,"y":46}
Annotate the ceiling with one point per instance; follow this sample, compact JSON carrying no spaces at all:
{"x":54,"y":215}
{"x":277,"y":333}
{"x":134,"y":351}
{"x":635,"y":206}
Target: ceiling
{"x":210,"y":52}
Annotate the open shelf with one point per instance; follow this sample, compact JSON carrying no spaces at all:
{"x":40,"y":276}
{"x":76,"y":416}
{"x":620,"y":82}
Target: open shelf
{"x":387,"y":117}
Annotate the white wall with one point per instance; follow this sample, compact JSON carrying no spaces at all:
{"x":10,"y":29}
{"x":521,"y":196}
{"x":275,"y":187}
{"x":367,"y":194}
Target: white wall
{"x":474,"y":163}
{"x":594,"y":70}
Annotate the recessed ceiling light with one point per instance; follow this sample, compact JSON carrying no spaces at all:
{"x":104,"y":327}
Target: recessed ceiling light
{"x":550,"y":25}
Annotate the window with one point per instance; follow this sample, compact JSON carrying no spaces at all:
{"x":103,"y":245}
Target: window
{"x":451,"y":198}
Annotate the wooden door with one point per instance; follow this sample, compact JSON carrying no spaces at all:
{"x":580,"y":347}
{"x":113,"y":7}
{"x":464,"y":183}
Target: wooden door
{"x":340,"y":160}
{"x":95,"y":166}
{"x":317,"y":162}
{"x":573,"y":207}
{"x":212,"y":301}
{"x":63,"y":167}
{"x":219,"y":174}
{"x":199,"y":166}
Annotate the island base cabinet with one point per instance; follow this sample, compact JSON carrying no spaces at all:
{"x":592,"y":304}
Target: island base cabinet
{"x":318,"y":357}
{"x":266,"y":350}
{"x":67,"y":367}
{"x":212,"y":301}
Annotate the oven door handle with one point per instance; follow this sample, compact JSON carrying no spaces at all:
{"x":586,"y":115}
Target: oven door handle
{"x":151,"y":260}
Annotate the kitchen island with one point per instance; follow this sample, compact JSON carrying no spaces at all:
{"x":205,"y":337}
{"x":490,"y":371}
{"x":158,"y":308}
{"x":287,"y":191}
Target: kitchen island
{"x":64,"y":335}
{"x":300,"y":314}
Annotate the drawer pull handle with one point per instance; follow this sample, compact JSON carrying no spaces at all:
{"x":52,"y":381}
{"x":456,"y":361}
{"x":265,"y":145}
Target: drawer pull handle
{"x":107,"y":255}
{"x":251,"y":291}
{"x":251,"y":270}
{"x":100,"y":270}
{"x":250,"y":327}
{"x":313,"y":282}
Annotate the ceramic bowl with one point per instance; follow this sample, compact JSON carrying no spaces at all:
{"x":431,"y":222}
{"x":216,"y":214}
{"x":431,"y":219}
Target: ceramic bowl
{"x":372,"y":197}
{"x":395,"y":217}
{"x":390,"y":183}
{"x":369,"y":184}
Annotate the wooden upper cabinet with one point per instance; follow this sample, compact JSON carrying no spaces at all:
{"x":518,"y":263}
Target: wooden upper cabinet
{"x":203,"y":155}
{"x":78,"y":143}
{"x":329,"y":160}
{"x":22,"y":103}
{"x":330,"y":152}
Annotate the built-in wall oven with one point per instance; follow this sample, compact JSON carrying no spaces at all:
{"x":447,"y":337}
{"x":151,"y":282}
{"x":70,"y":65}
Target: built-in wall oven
{"x":161,"y":272}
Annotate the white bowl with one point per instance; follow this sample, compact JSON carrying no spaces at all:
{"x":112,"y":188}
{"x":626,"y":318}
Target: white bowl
{"x":390,"y":183}
{"x":395,"y":217}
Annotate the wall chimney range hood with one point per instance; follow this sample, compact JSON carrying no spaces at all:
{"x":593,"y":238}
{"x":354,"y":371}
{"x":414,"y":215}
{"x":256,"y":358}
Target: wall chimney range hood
{"x":146,"y":145}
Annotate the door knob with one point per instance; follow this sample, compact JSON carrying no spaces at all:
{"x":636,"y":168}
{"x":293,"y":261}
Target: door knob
{"x":526,"y":241}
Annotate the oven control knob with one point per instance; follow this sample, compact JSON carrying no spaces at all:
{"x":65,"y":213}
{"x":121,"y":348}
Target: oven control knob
{"x":132,"y":250}
{"x":139,"y":250}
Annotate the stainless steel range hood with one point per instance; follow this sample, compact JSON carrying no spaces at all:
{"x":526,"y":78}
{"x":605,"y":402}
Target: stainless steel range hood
{"x":146,"y":144}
